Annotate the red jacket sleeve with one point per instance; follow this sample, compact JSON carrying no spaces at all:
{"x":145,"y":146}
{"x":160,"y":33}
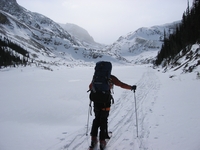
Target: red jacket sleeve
{"x":117,"y":82}
{"x":90,"y":86}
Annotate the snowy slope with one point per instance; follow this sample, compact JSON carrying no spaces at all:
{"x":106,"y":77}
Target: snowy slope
{"x":145,"y":41}
{"x":49,"y":44}
{"x":187,"y":60}
{"x":46,"y":41}
{"x":47,"y":48}
{"x":40,"y":43}
{"x":47,"y":110}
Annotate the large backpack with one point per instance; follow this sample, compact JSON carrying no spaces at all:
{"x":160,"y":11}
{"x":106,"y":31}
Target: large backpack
{"x":100,"y":91}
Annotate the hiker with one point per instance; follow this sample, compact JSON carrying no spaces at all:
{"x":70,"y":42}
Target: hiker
{"x":102,"y":103}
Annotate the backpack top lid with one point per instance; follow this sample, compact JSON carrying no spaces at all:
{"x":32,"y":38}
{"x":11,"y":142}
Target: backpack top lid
{"x":102,"y":76}
{"x":103,"y":65}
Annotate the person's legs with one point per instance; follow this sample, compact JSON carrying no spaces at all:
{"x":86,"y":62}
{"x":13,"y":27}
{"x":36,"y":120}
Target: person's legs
{"x":107,"y":136}
{"x":103,"y":128}
{"x":100,"y":120}
{"x":96,"y":123}
{"x":95,"y":126}
{"x":103,"y":124}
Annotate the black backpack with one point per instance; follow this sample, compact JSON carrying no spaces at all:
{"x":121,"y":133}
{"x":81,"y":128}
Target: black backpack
{"x":100,"y":91}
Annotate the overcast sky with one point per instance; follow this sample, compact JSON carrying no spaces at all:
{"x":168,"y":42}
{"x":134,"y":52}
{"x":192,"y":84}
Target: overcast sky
{"x":107,"y":20}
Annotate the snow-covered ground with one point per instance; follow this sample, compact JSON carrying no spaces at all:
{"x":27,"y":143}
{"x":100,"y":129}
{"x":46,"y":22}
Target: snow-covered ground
{"x":48,"y":110}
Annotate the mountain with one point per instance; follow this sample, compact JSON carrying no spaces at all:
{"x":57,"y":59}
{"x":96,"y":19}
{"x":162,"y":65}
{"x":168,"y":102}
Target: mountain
{"x":38,"y":34}
{"x":46,"y":41}
{"x":142,"y":45}
{"x":33,"y":21}
{"x":49,"y":43}
{"x":81,"y":35}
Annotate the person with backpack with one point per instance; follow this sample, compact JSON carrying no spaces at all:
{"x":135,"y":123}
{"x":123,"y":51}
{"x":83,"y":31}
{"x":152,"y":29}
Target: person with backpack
{"x":100,"y":87}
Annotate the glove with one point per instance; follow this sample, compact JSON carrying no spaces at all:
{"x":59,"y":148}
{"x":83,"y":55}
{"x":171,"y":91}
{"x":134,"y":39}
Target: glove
{"x":133,"y":88}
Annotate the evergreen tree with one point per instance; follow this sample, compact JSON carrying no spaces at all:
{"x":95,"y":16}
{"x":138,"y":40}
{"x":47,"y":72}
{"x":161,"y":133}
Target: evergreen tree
{"x":7,"y":55}
{"x":187,"y":33}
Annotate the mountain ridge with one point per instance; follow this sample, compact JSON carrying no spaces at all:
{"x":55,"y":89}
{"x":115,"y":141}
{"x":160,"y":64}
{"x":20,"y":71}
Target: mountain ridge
{"x":52,"y":44}
{"x":143,"y":40}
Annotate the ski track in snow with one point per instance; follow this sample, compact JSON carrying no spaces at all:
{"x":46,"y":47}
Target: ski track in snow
{"x":124,"y":129}
{"x":149,"y":86}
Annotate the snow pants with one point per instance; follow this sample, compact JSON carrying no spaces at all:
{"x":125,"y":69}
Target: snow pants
{"x":100,"y":120}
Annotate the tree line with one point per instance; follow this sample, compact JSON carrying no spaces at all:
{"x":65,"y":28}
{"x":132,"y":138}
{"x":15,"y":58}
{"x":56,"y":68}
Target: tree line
{"x":186,"y":33}
{"x":12,"y":54}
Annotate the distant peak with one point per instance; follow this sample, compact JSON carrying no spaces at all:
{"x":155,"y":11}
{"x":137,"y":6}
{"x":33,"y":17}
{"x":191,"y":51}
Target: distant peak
{"x":9,"y":2}
{"x":6,"y":5}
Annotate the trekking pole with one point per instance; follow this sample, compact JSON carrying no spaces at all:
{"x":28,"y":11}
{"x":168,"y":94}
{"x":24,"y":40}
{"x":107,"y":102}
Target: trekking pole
{"x":89,"y":112}
{"x":136,"y":114}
